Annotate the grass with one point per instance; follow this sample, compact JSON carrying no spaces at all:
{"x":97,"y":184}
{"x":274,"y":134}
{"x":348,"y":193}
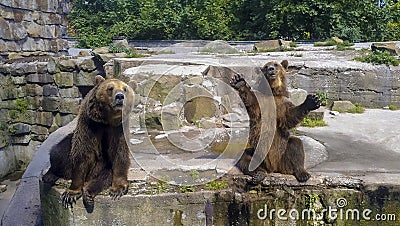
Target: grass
{"x":186,"y":189}
{"x":328,"y":42}
{"x":345,"y":45}
{"x":357,"y":110}
{"x":378,"y":57}
{"x":130,"y":52}
{"x":393,"y":107}
{"x":216,"y":185}
{"x":323,"y":97}
{"x":308,"y":122}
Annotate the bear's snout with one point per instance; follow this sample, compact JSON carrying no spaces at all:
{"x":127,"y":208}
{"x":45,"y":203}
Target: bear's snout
{"x":119,"y":98}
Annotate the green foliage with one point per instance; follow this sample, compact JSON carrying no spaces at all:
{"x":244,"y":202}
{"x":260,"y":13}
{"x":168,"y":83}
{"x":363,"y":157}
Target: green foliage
{"x":357,"y":110}
{"x":309,"y":122}
{"x":96,"y":22}
{"x":194,"y":174}
{"x":216,"y":185}
{"x":328,"y":42}
{"x":186,"y":189}
{"x":393,"y":107}
{"x":323,"y":97}
{"x":21,"y":105}
{"x":130,"y":52}
{"x":378,"y":57}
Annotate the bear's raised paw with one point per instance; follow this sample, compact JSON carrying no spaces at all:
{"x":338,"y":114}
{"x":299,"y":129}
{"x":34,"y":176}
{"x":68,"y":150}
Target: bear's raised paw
{"x":312,"y":102}
{"x":237,"y":81}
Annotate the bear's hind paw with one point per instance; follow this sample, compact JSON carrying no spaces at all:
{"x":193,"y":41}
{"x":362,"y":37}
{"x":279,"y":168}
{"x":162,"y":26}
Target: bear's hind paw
{"x":69,"y":197}
{"x":302,"y":176}
{"x":116,"y":193}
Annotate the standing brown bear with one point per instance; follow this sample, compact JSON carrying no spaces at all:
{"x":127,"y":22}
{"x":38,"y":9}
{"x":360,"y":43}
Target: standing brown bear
{"x":286,"y":154}
{"x":97,"y":156}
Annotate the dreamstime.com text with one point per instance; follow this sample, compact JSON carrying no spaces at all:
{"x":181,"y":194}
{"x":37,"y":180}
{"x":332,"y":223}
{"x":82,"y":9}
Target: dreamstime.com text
{"x":340,"y":213}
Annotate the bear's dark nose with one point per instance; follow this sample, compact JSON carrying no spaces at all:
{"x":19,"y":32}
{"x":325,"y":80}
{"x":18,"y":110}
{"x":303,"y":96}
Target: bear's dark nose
{"x":119,"y":96}
{"x":271,"y":69}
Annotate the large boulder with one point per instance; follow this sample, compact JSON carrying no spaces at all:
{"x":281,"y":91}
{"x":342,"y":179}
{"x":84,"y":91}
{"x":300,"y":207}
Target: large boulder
{"x":342,"y":106}
{"x":391,"y":47}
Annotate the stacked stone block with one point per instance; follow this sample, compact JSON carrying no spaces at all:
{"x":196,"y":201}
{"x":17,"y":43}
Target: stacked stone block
{"x":29,"y":26}
{"x":36,"y":98}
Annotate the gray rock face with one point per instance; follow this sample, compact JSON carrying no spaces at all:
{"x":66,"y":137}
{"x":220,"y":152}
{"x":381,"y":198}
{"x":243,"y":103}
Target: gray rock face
{"x":33,"y":25}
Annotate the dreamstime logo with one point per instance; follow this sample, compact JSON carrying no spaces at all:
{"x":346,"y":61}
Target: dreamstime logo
{"x":166,"y":91}
{"x":331,"y":213}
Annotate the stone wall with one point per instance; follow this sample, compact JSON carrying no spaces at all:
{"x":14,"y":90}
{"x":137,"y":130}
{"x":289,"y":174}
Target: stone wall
{"x":36,"y":98}
{"x":372,"y":86}
{"x":29,"y":26}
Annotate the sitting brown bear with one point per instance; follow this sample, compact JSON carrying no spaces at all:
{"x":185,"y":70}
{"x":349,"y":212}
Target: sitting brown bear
{"x":286,"y":154}
{"x":97,"y":156}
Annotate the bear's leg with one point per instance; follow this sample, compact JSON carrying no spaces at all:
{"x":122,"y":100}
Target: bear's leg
{"x":293,"y":160}
{"x":257,"y":175}
{"x":120,"y":167}
{"x":74,"y":192}
{"x":94,"y":186}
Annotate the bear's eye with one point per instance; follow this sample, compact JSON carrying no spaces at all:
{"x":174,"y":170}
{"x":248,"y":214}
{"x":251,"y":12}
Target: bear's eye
{"x":125,"y":90}
{"x":110,"y":88}
{"x":275,"y":65}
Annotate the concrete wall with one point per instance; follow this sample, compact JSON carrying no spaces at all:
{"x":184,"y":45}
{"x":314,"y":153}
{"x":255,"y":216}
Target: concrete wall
{"x":28,"y":26}
{"x":36,"y":98}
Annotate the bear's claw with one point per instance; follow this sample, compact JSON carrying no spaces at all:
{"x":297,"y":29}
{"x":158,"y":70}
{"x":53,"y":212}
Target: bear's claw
{"x":116,"y":193}
{"x":312,"y":102}
{"x":237,"y":81}
{"x":68,"y":198}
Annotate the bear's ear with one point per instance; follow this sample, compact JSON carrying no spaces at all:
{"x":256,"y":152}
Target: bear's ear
{"x":285,"y":64}
{"x":98,"y":79}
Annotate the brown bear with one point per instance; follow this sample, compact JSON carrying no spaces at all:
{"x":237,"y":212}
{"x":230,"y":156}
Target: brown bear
{"x":97,"y":156}
{"x":286,"y":154}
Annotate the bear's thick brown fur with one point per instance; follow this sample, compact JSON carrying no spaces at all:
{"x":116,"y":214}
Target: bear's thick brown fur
{"x":286,"y":154}
{"x":97,"y":156}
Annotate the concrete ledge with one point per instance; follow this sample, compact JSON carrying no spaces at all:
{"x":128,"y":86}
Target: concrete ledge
{"x":27,"y":196}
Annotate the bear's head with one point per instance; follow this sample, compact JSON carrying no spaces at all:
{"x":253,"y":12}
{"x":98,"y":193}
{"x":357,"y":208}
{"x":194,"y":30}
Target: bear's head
{"x":275,"y":73}
{"x":111,"y":98}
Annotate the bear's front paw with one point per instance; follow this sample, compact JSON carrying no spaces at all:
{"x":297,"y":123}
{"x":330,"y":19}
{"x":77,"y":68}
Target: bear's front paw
{"x":69,"y":197}
{"x":237,"y":81}
{"x":118,"y":191}
{"x":312,"y":102}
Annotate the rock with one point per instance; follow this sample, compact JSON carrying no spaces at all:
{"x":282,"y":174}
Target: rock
{"x":337,"y":40}
{"x":13,"y":56}
{"x":101,"y":50}
{"x":34,"y":103}
{"x":18,"y":31}
{"x":316,"y":114}
{"x":123,"y":44}
{"x":84,"y":78}
{"x":44,"y":118}
{"x":200,"y":107}
{"x":83,"y":53}
{"x":342,"y":106}
{"x":72,"y":92}
{"x":50,"y":90}
{"x":51,"y":103}
{"x":67,"y":65}
{"x":268,"y":45}
{"x":87,"y":65}
{"x":207,"y":123}
{"x":25,"y":139}
{"x":64,"y":79}
{"x":3,"y":188}
{"x":297,"y":96}
{"x":40,"y":78}
{"x":220,"y":47}
{"x":41,"y":130}
{"x":19,"y":129}
{"x":69,"y":105}
{"x":170,"y":116}
{"x":18,"y":80}
{"x":391,"y":47}
{"x":5,"y":31}
{"x":52,"y":66}
{"x":33,"y":90}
